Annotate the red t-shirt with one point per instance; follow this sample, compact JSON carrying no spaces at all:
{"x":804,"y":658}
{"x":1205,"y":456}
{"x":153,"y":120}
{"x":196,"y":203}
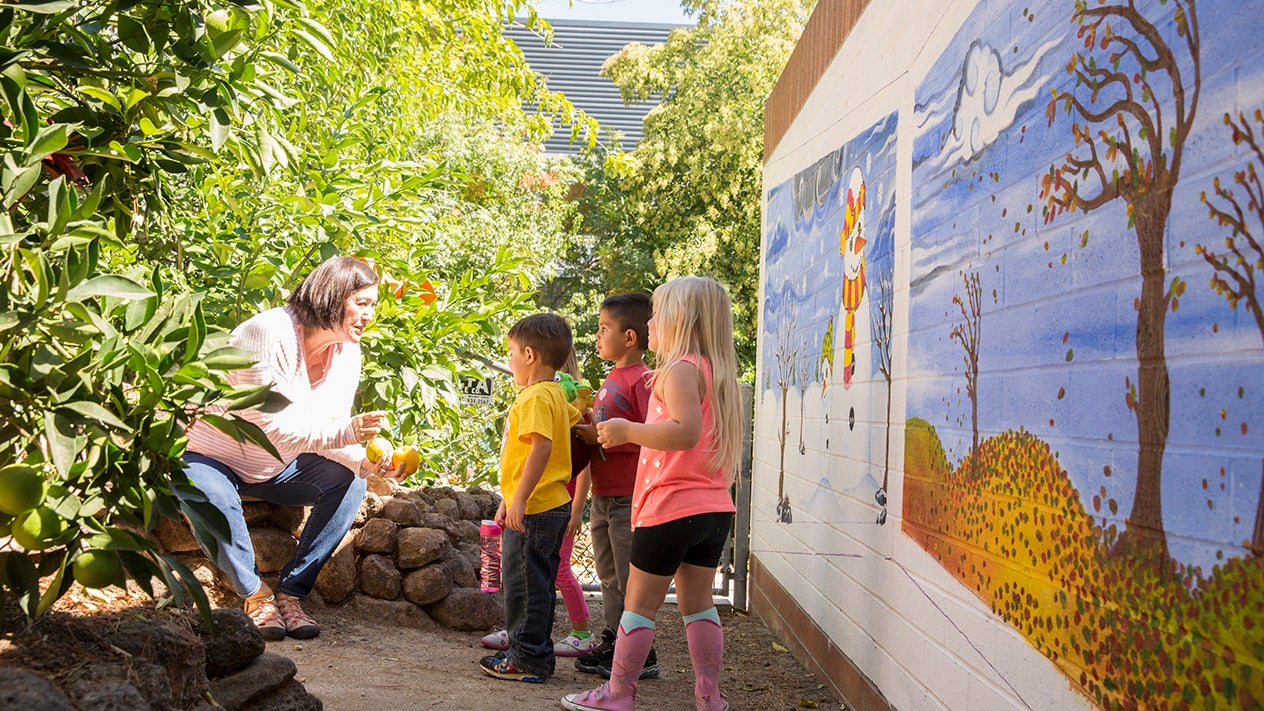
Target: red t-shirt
{"x":626,"y":394}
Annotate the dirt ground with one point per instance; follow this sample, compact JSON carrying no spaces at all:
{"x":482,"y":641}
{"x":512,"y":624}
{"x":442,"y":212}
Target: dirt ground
{"x":358,"y":665}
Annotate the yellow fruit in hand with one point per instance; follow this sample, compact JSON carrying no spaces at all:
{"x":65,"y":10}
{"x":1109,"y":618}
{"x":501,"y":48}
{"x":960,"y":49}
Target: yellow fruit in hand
{"x":409,"y":457}
{"x":36,"y":529}
{"x":97,"y":568}
{"x":377,"y":448}
{"x":21,"y":489}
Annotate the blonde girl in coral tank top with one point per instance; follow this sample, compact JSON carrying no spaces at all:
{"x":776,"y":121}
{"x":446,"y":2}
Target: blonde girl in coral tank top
{"x":681,"y":507}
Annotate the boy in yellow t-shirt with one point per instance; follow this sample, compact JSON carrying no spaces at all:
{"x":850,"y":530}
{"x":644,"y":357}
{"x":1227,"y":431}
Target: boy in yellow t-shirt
{"x":535,"y":466}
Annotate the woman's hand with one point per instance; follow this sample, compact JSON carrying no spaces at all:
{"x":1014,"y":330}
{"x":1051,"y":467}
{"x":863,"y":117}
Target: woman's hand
{"x":366,"y":425}
{"x":382,"y":467}
{"x":614,"y":432}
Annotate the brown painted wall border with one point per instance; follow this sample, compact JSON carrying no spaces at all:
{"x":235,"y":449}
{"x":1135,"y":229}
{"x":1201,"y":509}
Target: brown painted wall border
{"x":809,"y":644}
{"x":824,"y":34}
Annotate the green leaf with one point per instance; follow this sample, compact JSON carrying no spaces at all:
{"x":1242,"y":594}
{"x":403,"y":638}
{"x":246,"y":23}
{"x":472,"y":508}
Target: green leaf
{"x":20,"y":575}
{"x":229,"y":358}
{"x":103,"y":96}
{"x":197,"y":334}
{"x":111,"y":285}
{"x":321,"y":48}
{"x":45,"y":7}
{"x":93,"y":411}
{"x":48,"y":141}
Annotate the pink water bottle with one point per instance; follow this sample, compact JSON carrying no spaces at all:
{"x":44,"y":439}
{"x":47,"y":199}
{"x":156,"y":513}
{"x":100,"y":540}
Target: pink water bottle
{"x":489,"y":553}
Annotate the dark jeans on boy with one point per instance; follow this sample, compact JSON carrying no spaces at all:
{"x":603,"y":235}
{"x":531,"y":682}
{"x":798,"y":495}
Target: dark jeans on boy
{"x":529,"y":562}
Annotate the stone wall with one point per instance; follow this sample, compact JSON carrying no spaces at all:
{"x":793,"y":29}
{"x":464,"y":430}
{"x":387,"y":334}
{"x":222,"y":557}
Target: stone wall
{"x":411,"y":558}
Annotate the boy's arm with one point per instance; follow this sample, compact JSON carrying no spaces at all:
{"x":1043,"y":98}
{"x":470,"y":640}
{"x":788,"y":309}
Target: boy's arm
{"x":537,"y":460}
{"x":682,"y":393}
{"x":582,"y":483}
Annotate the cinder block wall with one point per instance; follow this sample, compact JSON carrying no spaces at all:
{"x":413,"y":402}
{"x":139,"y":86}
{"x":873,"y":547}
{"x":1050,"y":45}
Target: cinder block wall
{"x":1009,"y":440}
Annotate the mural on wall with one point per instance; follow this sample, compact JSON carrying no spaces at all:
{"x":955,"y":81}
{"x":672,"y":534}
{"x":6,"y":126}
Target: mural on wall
{"x":827,"y":318}
{"x":1086,"y":346}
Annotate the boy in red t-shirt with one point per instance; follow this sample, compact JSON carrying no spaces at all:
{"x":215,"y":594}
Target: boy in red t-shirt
{"x":623,"y":338}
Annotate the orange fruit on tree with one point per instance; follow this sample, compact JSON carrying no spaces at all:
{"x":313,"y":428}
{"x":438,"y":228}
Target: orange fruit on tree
{"x":21,"y":489}
{"x":97,"y":568}
{"x":36,"y":529}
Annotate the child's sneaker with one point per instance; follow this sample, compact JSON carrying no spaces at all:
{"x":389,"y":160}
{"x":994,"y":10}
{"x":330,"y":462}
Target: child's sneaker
{"x":574,"y":645}
{"x":600,"y":656}
{"x":598,"y":699}
{"x":499,"y":666}
{"x":496,"y":640}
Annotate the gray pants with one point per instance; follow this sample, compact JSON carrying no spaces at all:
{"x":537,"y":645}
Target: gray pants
{"x":610,"y":522}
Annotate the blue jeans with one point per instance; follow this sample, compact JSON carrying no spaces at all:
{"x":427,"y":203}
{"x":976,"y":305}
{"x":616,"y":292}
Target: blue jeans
{"x":528,"y":566}
{"x":331,"y":489}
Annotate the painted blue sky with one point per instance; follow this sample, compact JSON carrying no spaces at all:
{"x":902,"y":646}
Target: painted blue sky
{"x":1058,"y":298}
{"x":802,"y":261}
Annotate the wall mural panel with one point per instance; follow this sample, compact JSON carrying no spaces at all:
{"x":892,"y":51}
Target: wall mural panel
{"x":827,"y":318}
{"x":1086,"y":345}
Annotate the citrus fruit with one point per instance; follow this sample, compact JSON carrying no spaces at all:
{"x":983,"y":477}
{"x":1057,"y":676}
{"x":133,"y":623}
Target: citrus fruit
{"x":21,"y":489}
{"x":97,"y":568}
{"x":217,"y":22}
{"x":409,"y":457}
{"x":377,"y":448}
{"x":36,"y":529}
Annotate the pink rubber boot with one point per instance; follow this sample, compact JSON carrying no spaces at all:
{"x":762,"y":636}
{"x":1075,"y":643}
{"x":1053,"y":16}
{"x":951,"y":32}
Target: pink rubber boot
{"x":706,"y":650}
{"x":618,"y":694}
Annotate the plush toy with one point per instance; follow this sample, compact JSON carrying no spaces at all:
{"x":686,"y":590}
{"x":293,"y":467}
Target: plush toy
{"x":578,"y":393}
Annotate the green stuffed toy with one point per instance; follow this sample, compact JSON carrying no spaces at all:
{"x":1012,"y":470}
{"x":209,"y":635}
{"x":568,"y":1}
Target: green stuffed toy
{"x":577,"y":392}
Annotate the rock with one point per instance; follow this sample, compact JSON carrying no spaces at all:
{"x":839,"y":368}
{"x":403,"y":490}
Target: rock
{"x":256,"y":511}
{"x":419,"y":546}
{"x":436,"y":520}
{"x":175,"y":536}
{"x":427,"y":585}
{"x":337,"y":580}
{"x":377,"y":536}
{"x":273,"y":548}
{"x":118,"y":686}
{"x":291,"y":696}
{"x":468,"y":506}
{"x":20,"y":689}
{"x":464,"y":573}
{"x":402,"y":511}
{"x":267,"y":673}
{"x":447,"y":507}
{"x":109,"y":695}
{"x":464,"y":531}
{"x":473,"y":556}
{"x":383,"y":486}
{"x":369,"y":508}
{"x":469,"y":609}
{"x":232,"y":642}
{"x":290,"y":518}
{"x":379,"y":577}
{"x":397,"y":613}
{"x":172,"y":647}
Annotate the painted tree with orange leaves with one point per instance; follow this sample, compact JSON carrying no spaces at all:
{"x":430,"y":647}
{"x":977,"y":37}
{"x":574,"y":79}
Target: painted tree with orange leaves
{"x":1133,"y":103}
{"x":966,"y":334}
{"x":1234,"y":269}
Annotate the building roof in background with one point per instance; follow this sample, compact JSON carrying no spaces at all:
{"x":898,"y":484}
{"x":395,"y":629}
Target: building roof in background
{"x":572,"y":65}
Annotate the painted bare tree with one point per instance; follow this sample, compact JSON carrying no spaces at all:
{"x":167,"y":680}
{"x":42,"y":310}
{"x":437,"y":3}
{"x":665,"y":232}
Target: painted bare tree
{"x":1234,"y":269}
{"x":1133,"y":103}
{"x":787,"y":356}
{"x":880,"y":329}
{"x":966,"y":334}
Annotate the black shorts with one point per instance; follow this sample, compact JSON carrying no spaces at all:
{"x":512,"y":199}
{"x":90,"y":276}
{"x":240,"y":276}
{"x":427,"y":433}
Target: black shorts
{"x":697,"y":540}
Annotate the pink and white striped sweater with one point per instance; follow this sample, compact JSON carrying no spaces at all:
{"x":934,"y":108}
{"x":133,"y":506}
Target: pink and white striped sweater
{"x":318,"y":418}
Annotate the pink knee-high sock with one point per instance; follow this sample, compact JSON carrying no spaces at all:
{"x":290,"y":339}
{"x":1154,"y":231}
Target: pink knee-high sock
{"x":630,"y":652}
{"x":706,"y":650}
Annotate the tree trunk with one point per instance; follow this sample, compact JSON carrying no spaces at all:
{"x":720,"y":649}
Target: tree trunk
{"x":886,"y":462}
{"x":1257,"y":541}
{"x":1145,"y":535}
{"x":781,"y":474}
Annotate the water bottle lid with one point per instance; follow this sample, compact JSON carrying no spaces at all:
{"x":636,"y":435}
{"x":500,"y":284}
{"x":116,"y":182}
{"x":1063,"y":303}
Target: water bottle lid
{"x":489,"y":528}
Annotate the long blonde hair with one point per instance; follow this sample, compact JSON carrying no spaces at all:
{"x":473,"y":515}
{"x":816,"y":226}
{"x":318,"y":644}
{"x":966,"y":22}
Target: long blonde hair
{"x":694,"y":315}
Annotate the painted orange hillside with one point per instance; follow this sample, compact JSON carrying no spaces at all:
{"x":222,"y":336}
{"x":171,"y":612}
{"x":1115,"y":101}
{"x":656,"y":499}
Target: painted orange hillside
{"x":1009,"y":525}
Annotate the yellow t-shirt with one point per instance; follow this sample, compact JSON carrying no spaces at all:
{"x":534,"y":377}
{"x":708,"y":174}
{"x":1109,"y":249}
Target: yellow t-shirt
{"x":539,"y":409}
